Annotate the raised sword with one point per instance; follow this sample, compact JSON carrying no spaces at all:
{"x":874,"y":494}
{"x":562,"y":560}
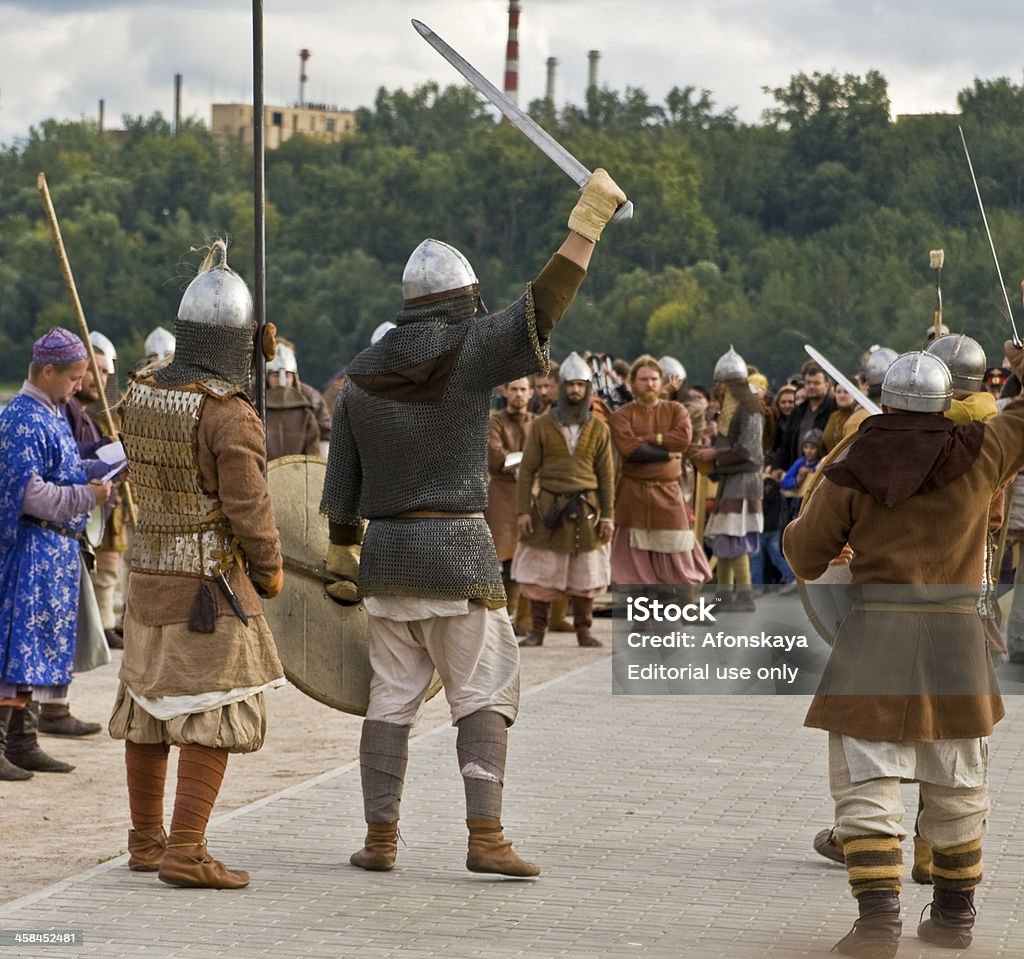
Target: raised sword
{"x":530,"y":128}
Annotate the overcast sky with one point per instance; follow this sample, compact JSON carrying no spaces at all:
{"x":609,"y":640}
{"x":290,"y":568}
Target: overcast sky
{"x":58,"y":58}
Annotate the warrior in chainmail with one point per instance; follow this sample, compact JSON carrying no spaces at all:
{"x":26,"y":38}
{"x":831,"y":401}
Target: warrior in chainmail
{"x":197,"y":650}
{"x":737,"y":457}
{"x":408,"y":453}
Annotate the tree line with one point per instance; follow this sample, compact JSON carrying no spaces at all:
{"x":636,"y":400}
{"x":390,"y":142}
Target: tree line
{"x":813,"y":225}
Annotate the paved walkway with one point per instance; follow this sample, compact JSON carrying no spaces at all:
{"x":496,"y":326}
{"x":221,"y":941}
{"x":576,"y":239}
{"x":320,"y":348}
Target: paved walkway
{"x":666,"y":826}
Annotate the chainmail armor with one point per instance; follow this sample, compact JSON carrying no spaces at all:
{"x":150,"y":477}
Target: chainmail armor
{"x":207,"y":352}
{"x":181,"y":529}
{"x":388,"y":457}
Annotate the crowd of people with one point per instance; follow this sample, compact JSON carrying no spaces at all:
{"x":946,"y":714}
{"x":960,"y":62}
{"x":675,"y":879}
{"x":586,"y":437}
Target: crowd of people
{"x":477,"y":494}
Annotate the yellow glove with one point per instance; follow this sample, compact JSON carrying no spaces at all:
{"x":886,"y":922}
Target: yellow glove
{"x":600,"y":198}
{"x":343,"y":561}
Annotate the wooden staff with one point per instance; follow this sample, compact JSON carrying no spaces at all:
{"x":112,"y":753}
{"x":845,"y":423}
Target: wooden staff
{"x":83,"y":327}
{"x":935,"y":260}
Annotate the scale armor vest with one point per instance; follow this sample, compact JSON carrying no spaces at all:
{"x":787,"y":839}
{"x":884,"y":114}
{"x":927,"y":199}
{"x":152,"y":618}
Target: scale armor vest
{"x":181,"y":530}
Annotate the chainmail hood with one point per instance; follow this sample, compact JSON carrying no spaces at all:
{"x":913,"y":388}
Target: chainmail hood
{"x":457,"y":309}
{"x":205,"y":352}
{"x":564,"y":412}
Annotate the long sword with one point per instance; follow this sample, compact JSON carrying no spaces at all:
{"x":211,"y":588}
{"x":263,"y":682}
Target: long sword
{"x":870,"y":405}
{"x":533,"y":131}
{"x":988,"y":233}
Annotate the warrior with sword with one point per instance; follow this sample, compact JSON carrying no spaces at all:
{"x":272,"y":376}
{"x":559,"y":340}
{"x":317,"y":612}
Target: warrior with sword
{"x":408,"y":453}
{"x":198,"y":653}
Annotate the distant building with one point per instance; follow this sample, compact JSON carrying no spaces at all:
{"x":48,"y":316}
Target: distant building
{"x":319,"y":121}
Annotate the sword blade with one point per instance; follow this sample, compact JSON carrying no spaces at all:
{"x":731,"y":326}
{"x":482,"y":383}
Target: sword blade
{"x":529,"y":127}
{"x":859,"y":398}
{"x":988,"y":233}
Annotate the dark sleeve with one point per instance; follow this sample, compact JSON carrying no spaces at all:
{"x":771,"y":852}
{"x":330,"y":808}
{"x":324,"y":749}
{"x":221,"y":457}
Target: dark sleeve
{"x":553,"y":290}
{"x":648,"y":453}
{"x":343,"y":482}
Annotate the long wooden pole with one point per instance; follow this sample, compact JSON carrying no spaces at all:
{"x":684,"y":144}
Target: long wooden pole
{"x":259,"y":210}
{"x":83,"y":326}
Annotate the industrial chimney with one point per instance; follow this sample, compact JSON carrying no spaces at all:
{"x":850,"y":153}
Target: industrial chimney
{"x":177,"y":103}
{"x":549,"y":92}
{"x":593,"y":56}
{"x":512,"y":53}
{"x":304,"y":55}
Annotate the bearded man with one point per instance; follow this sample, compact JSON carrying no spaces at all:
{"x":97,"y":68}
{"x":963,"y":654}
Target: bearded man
{"x":653,"y":540}
{"x":408,"y":452}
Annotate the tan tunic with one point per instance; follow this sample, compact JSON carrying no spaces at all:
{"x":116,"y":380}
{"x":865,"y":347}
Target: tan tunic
{"x":231,"y":459}
{"x":506,"y":434}
{"x":649,"y":495}
{"x":558,"y":472}
{"x":931,"y":539}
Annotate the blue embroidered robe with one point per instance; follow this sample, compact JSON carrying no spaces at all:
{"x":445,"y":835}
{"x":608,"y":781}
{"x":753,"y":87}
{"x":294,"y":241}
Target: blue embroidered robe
{"x":39,"y":568}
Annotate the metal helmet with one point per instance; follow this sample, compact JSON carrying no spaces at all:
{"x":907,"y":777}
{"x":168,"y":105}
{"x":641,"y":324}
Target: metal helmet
{"x":731,"y":366}
{"x":105,"y":349}
{"x":284,"y":360}
{"x":217,"y":296}
{"x":670,"y":366}
{"x":918,"y":382}
{"x":436,"y":271}
{"x":878,"y":362}
{"x":378,"y":333}
{"x":930,"y":331}
{"x":159,"y":344}
{"x":964,"y":357}
{"x":573,"y":368}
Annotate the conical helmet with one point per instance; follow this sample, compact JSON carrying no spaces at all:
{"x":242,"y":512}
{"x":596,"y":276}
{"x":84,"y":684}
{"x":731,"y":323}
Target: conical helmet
{"x":731,"y":366}
{"x":217,"y":296}
{"x":436,"y":271}
{"x":106,"y":354}
{"x":877,"y":363}
{"x":574,"y":368}
{"x":284,"y":360}
{"x":964,"y":357}
{"x":918,"y":382}
{"x":159,"y":344}
{"x":670,"y":366}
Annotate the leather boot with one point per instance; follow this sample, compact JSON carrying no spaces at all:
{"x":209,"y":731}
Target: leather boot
{"x":23,"y":743}
{"x":146,"y":848}
{"x":512,"y":589}
{"x":876,"y":934}
{"x":583,"y":618}
{"x":379,"y":848}
{"x":539,"y":615}
{"x":8,"y":771}
{"x":559,"y":624}
{"x":491,"y":852}
{"x":55,"y":719}
{"x":188,"y":863}
{"x":826,"y":844}
{"x":951,"y":919}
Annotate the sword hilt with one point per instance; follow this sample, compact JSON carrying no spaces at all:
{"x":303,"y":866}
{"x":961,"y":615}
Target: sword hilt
{"x":624,"y":212}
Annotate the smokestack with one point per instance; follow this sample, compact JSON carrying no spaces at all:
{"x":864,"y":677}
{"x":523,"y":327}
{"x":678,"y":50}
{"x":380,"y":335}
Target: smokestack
{"x":512,"y":53}
{"x":103,"y":104}
{"x":304,"y":55}
{"x":177,"y":103}
{"x":593,"y":56}
{"x":549,"y":92}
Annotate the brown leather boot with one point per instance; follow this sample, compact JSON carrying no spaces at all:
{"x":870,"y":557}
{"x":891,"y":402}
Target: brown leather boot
{"x":826,"y":844}
{"x":583,"y":618}
{"x":187,"y":863}
{"x":559,"y":624}
{"x":55,"y":719}
{"x":876,"y":934}
{"x":146,"y":848}
{"x":539,"y":614}
{"x":951,"y":919}
{"x":491,"y":852}
{"x":379,"y":848}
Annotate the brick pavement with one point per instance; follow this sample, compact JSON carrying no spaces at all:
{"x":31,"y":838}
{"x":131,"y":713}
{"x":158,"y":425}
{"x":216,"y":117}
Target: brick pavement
{"x":666,"y":826}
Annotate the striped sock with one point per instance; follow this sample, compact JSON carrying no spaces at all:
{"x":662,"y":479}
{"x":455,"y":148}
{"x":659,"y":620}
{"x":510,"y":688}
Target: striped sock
{"x":874,"y":863}
{"x":957,"y":868}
